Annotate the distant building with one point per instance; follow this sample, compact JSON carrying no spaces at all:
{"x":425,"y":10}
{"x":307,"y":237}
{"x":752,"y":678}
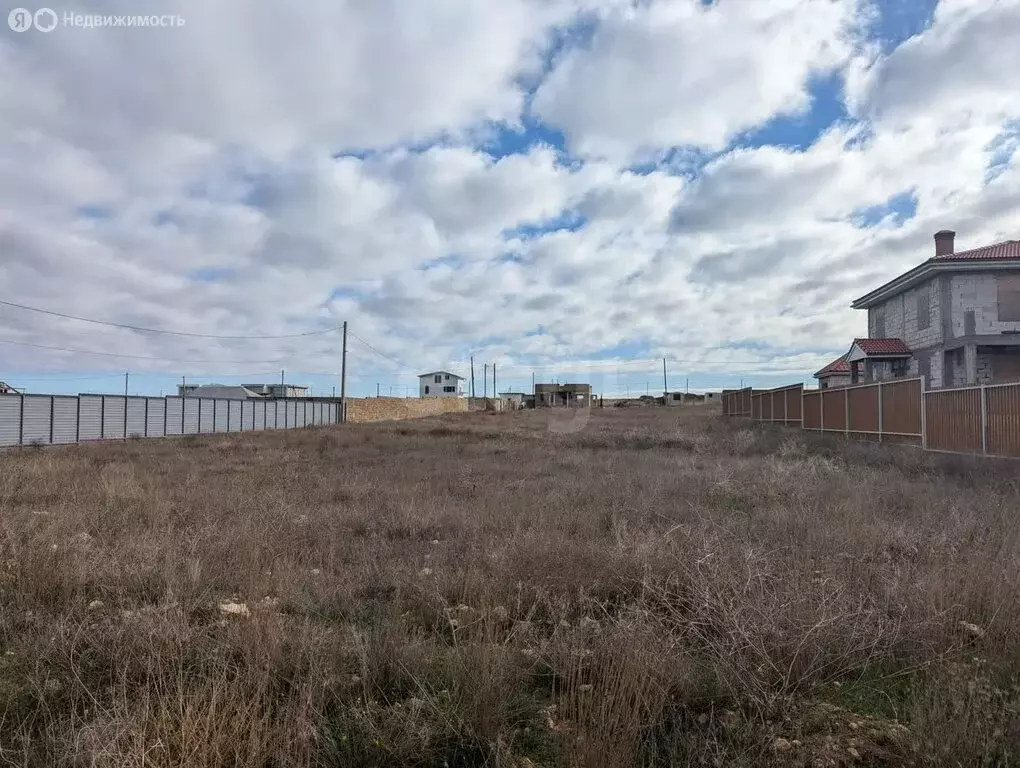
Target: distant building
{"x":835,"y":374}
{"x":512,"y":401}
{"x":278,"y":390}
{"x":223,"y":391}
{"x":440,"y":384}
{"x":560,"y":395}
{"x":7,"y":389}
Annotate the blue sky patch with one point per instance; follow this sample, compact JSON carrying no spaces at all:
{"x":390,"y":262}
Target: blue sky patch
{"x":567,"y":221}
{"x":801,"y":130}
{"x":94,"y":212}
{"x":1001,"y":150}
{"x":899,"y":20}
{"x":895,"y":211}
{"x":210,"y":274}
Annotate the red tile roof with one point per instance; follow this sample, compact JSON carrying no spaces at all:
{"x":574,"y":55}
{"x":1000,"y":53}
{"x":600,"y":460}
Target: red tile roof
{"x":878,"y":347}
{"x":838,"y":367}
{"x":1010,"y":249}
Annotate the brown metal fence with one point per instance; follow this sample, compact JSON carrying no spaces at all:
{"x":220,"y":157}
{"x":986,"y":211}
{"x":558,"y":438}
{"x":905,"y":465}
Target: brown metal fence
{"x":781,"y":405}
{"x":953,"y":420}
{"x":737,"y":402}
{"x":982,"y":420}
{"x":901,"y":408}
{"x":833,"y":410}
{"x":811,"y":407}
{"x":1002,"y":420}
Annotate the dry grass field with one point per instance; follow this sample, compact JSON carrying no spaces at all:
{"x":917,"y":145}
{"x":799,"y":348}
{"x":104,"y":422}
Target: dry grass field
{"x":659,"y":588}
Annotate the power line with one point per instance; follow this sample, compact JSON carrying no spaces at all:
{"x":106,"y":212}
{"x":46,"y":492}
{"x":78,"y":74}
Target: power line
{"x":132,"y":357}
{"x":143,"y":329}
{"x":380,"y":354}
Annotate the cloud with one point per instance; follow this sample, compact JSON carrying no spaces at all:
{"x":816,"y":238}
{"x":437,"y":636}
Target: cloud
{"x":278,"y":170}
{"x":664,"y":74}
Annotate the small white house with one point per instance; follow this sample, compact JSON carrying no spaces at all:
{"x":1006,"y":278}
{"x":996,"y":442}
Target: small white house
{"x":440,"y":384}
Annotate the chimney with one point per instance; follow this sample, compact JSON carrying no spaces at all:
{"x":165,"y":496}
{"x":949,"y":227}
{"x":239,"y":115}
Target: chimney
{"x":944,"y":242}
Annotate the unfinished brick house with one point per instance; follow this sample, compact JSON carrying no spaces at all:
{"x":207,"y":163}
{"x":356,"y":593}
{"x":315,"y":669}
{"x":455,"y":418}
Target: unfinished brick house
{"x":563,"y":395}
{"x":954,"y":319}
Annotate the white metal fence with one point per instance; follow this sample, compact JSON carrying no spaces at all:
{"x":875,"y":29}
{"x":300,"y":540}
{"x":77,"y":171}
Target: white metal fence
{"x":57,"y":419}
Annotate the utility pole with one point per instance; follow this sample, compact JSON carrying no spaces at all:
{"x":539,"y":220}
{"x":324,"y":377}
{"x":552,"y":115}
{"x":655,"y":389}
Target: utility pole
{"x":282,"y":373}
{"x":532,"y":382}
{"x":377,"y":389}
{"x":343,"y":379}
{"x":334,"y":391}
{"x":126,"y":375}
{"x":184,"y":388}
{"x":485,"y":381}
{"x":472,"y":376}
{"x":495,"y":392}
{"x":665,"y":386}
{"x":688,"y":386}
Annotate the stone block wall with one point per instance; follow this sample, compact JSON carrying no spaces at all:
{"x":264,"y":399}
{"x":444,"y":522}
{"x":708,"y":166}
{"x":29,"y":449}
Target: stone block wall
{"x":397,"y":408}
{"x":901,"y":318}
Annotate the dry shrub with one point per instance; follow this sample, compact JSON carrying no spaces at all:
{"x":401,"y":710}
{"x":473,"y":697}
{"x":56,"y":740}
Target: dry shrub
{"x":446,"y":591}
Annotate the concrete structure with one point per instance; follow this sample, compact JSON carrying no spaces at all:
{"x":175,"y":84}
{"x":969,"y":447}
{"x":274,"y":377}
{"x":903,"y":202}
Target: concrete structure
{"x":278,"y":390}
{"x":223,"y":391}
{"x":957,"y":317}
{"x":440,"y":384}
{"x":512,"y":401}
{"x":561,"y":395}
{"x":7,"y":389}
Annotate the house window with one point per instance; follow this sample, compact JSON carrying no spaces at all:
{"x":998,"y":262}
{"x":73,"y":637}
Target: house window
{"x":879,"y":331}
{"x":439,"y":379}
{"x":1009,"y":298}
{"x":923,"y":309}
{"x":449,"y":389}
{"x":426,"y":389}
{"x":899,"y":368}
{"x":447,"y":377}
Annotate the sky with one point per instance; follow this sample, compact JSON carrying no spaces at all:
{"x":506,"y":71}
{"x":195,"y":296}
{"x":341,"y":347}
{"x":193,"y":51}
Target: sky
{"x":571,"y":188}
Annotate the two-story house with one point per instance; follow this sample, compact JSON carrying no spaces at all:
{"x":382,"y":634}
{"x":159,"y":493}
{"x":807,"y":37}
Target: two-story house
{"x":440,"y":384}
{"x":955,"y":319}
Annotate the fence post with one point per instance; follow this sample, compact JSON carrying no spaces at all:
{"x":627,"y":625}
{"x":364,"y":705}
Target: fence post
{"x":786,"y":407}
{"x":821,"y":411}
{"x":846,"y":411}
{"x":77,"y":419}
{"x":880,"y":419}
{"x":102,"y":417}
{"x":183,"y":402}
{"x":198,"y":429}
{"x":984,"y":421}
{"x":146,"y":430}
{"x":166,"y":402}
{"x":214,"y":415}
{"x":125,"y":415}
{"x":52,"y":402}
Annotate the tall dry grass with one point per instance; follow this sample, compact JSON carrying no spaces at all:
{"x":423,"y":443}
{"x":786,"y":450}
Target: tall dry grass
{"x":661,"y":587}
